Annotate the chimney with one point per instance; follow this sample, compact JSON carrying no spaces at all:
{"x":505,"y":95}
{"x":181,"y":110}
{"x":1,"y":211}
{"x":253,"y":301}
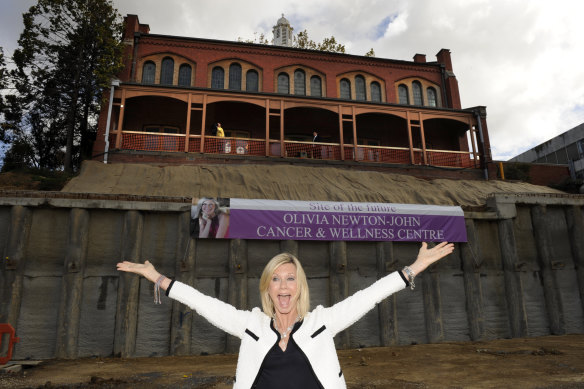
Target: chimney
{"x":144,"y":28}
{"x":443,"y":57}
{"x":420,"y":58}
{"x":131,"y":25}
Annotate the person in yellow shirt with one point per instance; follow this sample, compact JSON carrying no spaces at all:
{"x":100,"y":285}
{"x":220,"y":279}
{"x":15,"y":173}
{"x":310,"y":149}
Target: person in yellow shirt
{"x":220,"y":132}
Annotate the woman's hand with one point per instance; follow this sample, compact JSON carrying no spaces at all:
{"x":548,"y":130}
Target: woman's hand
{"x":145,"y":269}
{"x":204,"y":227}
{"x":426,"y":256}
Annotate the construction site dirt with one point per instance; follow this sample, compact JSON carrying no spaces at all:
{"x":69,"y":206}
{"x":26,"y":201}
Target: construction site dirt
{"x":541,"y":362}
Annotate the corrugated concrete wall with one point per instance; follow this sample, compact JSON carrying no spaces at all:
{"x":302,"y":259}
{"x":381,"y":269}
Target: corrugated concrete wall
{"x":521,"y":274}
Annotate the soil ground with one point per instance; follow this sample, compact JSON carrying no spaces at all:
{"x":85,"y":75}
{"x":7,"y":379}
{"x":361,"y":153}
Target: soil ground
{"x":543,"y":362}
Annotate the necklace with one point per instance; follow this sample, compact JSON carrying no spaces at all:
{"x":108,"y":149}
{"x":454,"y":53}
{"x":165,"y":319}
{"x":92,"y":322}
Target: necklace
{"x":285,"y":333}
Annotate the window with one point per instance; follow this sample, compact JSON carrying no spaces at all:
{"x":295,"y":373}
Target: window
{"x":404,"y":97}
{"x":360,"y":88}
{"x":283,"y":83}
{"x":375,"y":91}
{"x":345,"y":89}
{"x":217,"y":77}
{"x":148,"y":73}
{"x":580,"y":146}
{"x":299,"y":82}
{"x":417,"y":90}
{"x":167,"y":71}
{"x":431,"y":92}
{"x":184,"y":75}
{"x":251,"y":81}
{"x":235,"y":76}
{"x":315,"y":86}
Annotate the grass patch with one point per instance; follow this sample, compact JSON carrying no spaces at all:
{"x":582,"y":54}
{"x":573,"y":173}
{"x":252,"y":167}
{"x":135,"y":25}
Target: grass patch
{"x":34,"y":179}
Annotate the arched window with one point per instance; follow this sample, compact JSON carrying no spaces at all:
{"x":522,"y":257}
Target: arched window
{"x":360,"y":88}
{"x":315,"y":86}
{"x":251,"y":81}
{"x":148,"y":73}
{"x":375,"y":91}
{"x":235,"y":76}
{"x":184,"y":75}
{"x":217,"y":77}
{"x":417,"y":91}
{"x":345,"y":89}
{"x":404,"y":97}
{"x":167,"y":71}
{"x":283,"y":83}
{"x":431,"y":92}
{"x":299,"y":82}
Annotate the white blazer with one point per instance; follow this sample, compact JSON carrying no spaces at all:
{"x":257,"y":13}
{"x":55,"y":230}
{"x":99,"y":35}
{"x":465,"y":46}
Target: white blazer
{"x":314,"y":337}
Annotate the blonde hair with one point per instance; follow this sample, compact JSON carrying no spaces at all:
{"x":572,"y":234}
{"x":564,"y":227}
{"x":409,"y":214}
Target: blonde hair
{"x":303,"y":300}
{"x":197,"y":210}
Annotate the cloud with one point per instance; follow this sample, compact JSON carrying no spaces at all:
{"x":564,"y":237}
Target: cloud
{"x":398,"y":24}
{"x":520,"y":59}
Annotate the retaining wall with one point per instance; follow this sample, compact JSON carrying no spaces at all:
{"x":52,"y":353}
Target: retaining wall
{"x":521,"y":274}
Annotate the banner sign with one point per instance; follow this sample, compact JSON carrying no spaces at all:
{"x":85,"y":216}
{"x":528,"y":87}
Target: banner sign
{"x":330,"y":221}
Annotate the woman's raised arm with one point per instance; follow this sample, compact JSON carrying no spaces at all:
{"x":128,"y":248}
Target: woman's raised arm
{"x":146,"y":270}
{"x":426,"y":257}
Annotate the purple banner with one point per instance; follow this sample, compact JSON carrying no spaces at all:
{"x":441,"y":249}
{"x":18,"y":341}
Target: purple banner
{"x":331,"y":221}
{"x":283,"y":225}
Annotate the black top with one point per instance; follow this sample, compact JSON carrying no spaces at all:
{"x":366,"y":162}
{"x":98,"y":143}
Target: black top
{"x":288,"y":369}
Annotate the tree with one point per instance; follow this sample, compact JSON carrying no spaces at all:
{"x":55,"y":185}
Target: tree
{"x":261,"y":39}
{"x":302,"y":41}
{"x":2,"y":78}
{"x":4,"y":134}
{"x":68,"y":52}
{"x":370,"y":53}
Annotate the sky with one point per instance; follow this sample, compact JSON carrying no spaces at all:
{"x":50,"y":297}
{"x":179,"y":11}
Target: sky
{"x":522,"y":59}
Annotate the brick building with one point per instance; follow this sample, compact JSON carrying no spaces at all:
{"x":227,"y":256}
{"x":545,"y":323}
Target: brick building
{"x":270,"y":98}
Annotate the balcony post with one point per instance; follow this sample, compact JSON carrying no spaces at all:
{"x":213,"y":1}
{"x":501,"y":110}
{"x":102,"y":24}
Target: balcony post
{"x":267,"y":127}
{"x":342,"y":141}
{"x":409,"y":126}
{"x":282,"y":144}
{"x":188,"y":128}
{"x":203,"y":120}
{"x":423,"y":138}
{"x":473,"y":139}
{"x":121,"y":120}
{"x":354,"y":129}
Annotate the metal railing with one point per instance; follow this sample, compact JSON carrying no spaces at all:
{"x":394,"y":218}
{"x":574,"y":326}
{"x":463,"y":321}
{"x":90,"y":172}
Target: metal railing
{"x":135,"y":140}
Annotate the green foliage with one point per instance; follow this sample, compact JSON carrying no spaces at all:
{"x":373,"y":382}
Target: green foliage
{"x":2,"y":103}
{"x":20,"y":156}
{"x":68,"y":52}
{"x":257,"y":39}
{"x":34,"y":179}
{"x":516,"y":171}
{"x":2,"y":71}
{"x":302,"y":41}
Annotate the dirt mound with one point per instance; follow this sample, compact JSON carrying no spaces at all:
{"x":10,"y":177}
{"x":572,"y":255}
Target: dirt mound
{"x":284,"y":182}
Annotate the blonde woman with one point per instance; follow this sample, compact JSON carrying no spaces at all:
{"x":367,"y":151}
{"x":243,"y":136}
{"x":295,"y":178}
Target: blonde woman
{"x":213,"y":221}
{"x":285,"y":345}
